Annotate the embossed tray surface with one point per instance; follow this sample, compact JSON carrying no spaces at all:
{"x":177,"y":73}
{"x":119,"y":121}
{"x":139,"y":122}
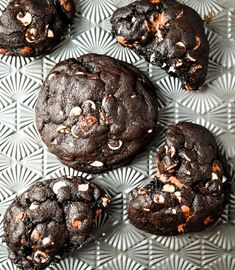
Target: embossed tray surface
{"x":116,"y":244}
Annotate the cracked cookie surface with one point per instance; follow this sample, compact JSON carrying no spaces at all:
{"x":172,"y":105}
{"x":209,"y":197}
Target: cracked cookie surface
{"x":95,"y":113}
{"x":50,"y":219}
{"x":168,"y":34}
{"x":190,"y":187}
{"x":34,"y":27}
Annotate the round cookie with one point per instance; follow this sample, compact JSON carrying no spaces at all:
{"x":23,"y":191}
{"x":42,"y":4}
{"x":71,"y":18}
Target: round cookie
{"x":96,"y":113}
{"x":50,"y":219}
{"x":33,"y":27}
{"x":189,"y":191}
{"x":168,"y":34}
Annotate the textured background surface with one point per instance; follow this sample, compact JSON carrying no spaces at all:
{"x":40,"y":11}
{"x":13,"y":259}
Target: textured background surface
{"x":117,"y":245}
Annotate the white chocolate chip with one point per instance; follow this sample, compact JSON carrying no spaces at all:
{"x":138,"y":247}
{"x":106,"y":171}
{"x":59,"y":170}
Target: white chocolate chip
{"x":173,"y":211}
{"x":40,"y":256}
{"x":105,"y":201}
{"x":191,"y":58}
{"x":24,"y":20}
{"x":54,"y":142}
{"x":178,"y":196}
{"x":224,"y":179}
{"x":172,"y":69}
{"x":91,"y":103}
{"x":57,"y":186}
{"x":163,"y":65}
{"x":159,"y":35}
{"x":46,"y":241}
{"x":133,"y":96}
{"x":168,"y":188}
{"x":33,"y":206}
{"x":120,"y":143}
{"x":50,"y":33}
{"x":152,"y":57}
{"x":167,"y":148}
{"x":105,"y":100}
{"x":97,"y":164}
{"x":72,"y":131}
{"x":133,"y":19}
{"x":180,"y":44}
{"x":150,"y":131}
{"x":51,"y":76}
{"x":75,"y":111}
{"x":141,"y":191}
{"x":159,"y":199}
{"x":62,"y":129}
{"x":179,"y":63}
{"x":79,"y":73}
{"x":120,"y":29}
{"x":146,"y":209}
{"x":186,"y":157}
{"x":31,"y":34}
{"x":173,"y":151}
{"x":188,"y":172}
{"x":214,"y":176}
{"x":83,"y":187}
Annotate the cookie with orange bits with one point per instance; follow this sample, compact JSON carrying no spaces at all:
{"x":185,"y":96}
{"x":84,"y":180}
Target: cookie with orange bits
{"x":50,"y":219}
{"x":34,"y":27}
{"x":168,"y":34}
{"x":190,"y":188}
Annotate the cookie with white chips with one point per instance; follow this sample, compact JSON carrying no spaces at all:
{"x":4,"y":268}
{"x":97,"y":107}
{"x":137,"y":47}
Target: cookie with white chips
{"x":34,"y":27}
{"x":168,"y":34}
{"x":96,"y":113}
{"x":50,"y":219}
{"x":190,"y":188}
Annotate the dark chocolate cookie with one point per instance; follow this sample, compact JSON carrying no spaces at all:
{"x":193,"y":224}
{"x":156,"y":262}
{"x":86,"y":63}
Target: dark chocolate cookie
{"x":95,"y":113}
{"x":189,"y":190}
{"x":168,"y":34}
{"x":50,"y":219}
{"x":33,"y":27}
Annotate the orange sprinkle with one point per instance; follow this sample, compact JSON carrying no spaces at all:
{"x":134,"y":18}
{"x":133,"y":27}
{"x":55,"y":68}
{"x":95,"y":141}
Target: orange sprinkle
{"x":198,"y":43}
{"x":208,"y":18}
{"x":36,"y":236}
{"x":176,"y":182}
{"x":20,"y":216}
{"x":216,"y":167}
{"x":156,"y":23}
{"x":66,"y":5}
{"x":208,"y":220}
{"x":155,"y":1}
{"x":186,"y":210}
{"x":122,"y":40}
{"x":147,"y":26}
{"x":76,"y":223}
{"x":26,"y":51}
{"x":3,"y":51}
{"x":98,"y":212}
{"x":180,"y":228}
{"x":188,"y":87}
{"x":180,"y":14}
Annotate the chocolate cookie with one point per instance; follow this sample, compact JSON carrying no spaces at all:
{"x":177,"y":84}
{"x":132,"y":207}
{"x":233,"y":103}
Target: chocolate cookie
{"x":190,"y":188}
{"x":95,"y":113}
{"x":168,"y":34}
{"x":50,"y":219}
{"x":33,"y":27}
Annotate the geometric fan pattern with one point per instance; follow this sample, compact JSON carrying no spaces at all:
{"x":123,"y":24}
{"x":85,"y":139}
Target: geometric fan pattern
{"x":115,"y":244}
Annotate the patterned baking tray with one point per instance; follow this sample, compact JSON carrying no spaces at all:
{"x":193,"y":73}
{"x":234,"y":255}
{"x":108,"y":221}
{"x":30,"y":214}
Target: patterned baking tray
{"x":116,"y":244}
